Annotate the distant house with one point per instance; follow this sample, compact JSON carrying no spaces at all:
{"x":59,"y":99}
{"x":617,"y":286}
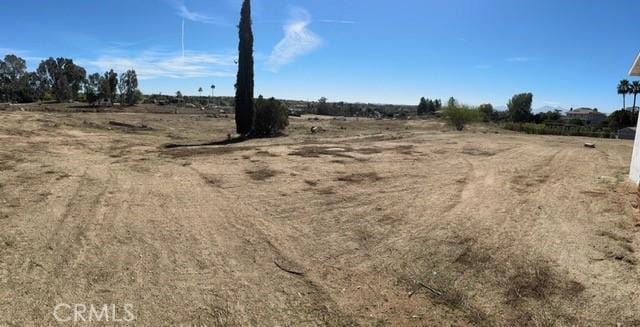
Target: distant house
{"x":588,"y":116}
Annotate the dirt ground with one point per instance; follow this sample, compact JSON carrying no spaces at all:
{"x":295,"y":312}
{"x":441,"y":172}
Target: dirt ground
{"x":372,"y":223}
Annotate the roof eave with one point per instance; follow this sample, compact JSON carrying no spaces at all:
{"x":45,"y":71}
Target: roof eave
{"x":635,"y":69}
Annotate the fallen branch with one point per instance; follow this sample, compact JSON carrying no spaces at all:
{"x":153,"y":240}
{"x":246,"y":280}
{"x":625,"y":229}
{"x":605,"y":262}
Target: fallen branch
{"x":429,"y":288}
{"x":288,"y":270}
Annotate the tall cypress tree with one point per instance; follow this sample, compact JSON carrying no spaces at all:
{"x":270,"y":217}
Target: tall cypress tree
{"x":244,"y":84}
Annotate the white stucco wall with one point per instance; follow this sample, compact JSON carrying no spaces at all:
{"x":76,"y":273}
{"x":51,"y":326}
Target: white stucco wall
{"x":634,"y":172}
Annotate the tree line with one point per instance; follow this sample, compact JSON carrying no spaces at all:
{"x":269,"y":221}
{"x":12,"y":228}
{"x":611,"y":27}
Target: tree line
{"x":62,"y":80}
{"x":519,"y":108}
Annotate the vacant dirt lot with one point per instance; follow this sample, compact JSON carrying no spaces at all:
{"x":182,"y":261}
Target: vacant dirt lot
{"x":370,"y":223}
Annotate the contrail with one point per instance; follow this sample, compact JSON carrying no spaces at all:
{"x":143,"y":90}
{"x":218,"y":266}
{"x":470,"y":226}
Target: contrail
{"x":182,"y":40}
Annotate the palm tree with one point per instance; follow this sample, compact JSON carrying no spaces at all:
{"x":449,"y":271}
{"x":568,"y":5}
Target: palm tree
{"x":213,"y":87}
{"x":624,"y":88}
{"x":635,"y":89}
{"x":200,"y":91}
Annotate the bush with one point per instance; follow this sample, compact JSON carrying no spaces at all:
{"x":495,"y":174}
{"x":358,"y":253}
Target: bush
{"x":459,"y":116}
{"x":272,"y":117}
{"x":559,"y":129}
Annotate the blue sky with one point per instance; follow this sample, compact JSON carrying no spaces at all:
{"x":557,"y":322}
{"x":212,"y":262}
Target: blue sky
{"x":568,"y":53}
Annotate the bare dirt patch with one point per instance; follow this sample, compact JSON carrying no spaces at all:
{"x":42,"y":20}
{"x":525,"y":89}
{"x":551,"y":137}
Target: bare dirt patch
{"x":539,"y":233}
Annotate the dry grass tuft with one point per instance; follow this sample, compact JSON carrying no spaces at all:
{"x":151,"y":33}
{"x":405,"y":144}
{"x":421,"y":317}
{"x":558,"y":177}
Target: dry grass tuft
{"x":457,"y":300}
{"x":360,"y":177}
{"x":311,"y":183}
{"x":535,"y":281}
{"x":326,"y":191}
{"x":212,"y":180}
{"x":473,"y":257}
{"x":340,"y":152}
{"x":263,"y":153}
{"x":614,"y":236}
{"x":262,"y":174}
{"x":203,"y":151}
{"x":367,"y":151}
{"x":405,"y":149}
{"x":478,"y":152}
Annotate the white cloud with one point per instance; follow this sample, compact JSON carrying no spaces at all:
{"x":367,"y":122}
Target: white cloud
{"x":154,"y":64}
{"x":520,"y":59}
{"x":194,"y":16}
{"x":298,"y":40}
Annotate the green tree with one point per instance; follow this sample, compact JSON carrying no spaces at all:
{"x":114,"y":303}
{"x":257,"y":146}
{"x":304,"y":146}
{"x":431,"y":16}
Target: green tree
{"x":323,"y":107}
{"x":92,"y":88}
{"x":520,"y":107}
{"x":624,"y":88}
{"x":423,"y":107}
{"x":634,"y":89}
{"x":245,"y":113}
{"x":129,"y":86}
{"x":487,"y":111}
{"x":63,"y":77}
{"x":13,"y":70}
{"x":109,"y":86}
{"x":549,"y":116}
{"x":452,"y":102}
{"x":623,"y":118}
{"x":35,"y":86}
{"x":438,"y":104}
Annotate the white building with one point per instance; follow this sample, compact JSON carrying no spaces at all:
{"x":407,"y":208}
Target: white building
{"x":634,"y":172}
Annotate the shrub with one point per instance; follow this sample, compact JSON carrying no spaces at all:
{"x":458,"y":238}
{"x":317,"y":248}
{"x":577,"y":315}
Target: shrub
{"x":559,"y":129}
{"x":272,"y":117}
{"x":459,"y":116}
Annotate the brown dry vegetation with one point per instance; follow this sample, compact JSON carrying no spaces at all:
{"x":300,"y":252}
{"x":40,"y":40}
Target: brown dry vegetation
{"x":373,"y":223}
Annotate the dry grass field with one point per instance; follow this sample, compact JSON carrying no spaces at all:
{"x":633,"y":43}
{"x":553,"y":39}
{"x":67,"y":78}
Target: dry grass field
{"x":370,"y":222}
